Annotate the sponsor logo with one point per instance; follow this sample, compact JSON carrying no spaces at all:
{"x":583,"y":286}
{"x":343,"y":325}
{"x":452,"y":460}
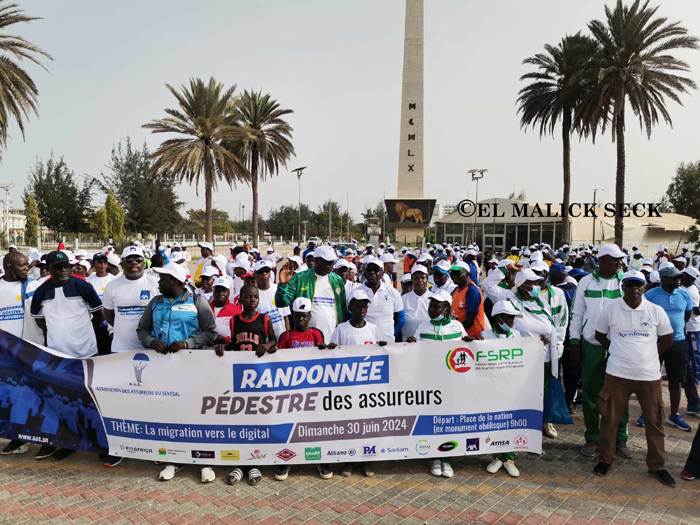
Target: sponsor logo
{"x":230,"y":455}
{"x":162,"y":452}
{"x":491,"y":443}
{"x":395,"y":450}
{"x":423,"y":447}
{"x":520,"y":441}
{"x":352,"y":452}
{"x":140,"y":363}
{"x":256,"y":454}
{"x":472,"y":444}
{"x":337,"y":453}
{"x":145,"y":295}
{"x":504,"y":354}
{"x":460,"y":360}
{"x":286,"y":454}
{"x":369,"y":451}
{"x":203,"y":454}
{"x":447,"y":446}
{"x":136,"y":450}
{"x":313,"y":454}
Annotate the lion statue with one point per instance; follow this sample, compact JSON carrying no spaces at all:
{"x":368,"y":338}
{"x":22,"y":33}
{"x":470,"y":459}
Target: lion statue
{"x":405,"y":212}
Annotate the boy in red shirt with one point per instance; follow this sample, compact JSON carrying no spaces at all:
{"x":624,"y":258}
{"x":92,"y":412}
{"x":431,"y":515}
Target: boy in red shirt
{"x":301,"y":336}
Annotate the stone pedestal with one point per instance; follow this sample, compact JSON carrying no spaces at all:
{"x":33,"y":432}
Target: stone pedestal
{"x":412,"y":235}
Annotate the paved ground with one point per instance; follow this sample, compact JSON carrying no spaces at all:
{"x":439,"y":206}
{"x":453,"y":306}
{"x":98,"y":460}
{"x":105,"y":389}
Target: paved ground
{"x":556,"y":488}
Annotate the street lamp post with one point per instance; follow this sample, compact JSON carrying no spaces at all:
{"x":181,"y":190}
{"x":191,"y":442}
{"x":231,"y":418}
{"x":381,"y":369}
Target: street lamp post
{"x":476,"y":175}
{"x":299,"y":171}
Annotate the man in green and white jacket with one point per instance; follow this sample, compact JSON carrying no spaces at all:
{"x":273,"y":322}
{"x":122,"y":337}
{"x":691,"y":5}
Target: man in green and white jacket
{"x":593,"y":293}
{"x":322,"y":286}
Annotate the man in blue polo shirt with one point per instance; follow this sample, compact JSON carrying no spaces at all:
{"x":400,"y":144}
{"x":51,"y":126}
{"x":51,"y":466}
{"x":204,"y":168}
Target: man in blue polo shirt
{"x":678,"y":305}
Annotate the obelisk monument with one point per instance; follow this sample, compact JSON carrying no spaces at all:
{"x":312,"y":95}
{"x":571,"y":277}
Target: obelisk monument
{"x":411,"y":141}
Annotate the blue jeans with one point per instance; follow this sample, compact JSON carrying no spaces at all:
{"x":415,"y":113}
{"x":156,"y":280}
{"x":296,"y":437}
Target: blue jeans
{"x":694,"y":354}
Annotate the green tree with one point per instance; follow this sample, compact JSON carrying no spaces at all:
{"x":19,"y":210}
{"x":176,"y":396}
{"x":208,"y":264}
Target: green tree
{"x":284,"y":221}
{"x":206,"y":117}
{"x":147,"y":194}
{"x":33,"y":224}
{"x":18,"y":92}
{"x":99,"y":224}
{"x":556,"y":89}
{"x":684,"y":191}
{"x":62,"y":205}
{"x":266,"y":145}
{"x":115,"y":215}
{"x":634,"y":64}
{"x":196,"y":222}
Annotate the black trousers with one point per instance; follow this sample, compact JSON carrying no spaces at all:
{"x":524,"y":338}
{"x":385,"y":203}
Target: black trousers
{"x":692,"y":464}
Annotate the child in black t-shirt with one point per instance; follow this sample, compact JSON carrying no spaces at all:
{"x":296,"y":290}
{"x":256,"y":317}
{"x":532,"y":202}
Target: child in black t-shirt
{"x":250,"y":331}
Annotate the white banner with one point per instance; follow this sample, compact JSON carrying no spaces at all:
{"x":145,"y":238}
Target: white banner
{"x":368,"y":403}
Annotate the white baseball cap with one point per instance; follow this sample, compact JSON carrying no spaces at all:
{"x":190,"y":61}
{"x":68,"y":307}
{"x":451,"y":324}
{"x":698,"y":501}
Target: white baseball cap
{"x":612,"y":250}
{"x":693,"y":272}
{"x":224,"y":281}
{"x":387,"y":258}
{"x":505,"y":262}
{"x":326,"y":253}
{"x":406,"y":278}
{"x":359,"y":295}
{"x":524,"y":276}
{"x":505,"y":307}
{"x":174,"y":270}
{"x":270,"y":249}
{"x":130,"y":251}
{"x":540,"y":266}
{"x":633,"y":275}
{"x":301,"y":304}
{"x":260,"y":265}
{"x":442,"y":296}
{"x":373,"y":260}
{"x":206,"y":245}
{"x":209,"y":271}
{"x":341,"y":263}
{"x":113,"y":259}
{"x":443,"y":265}
{"x":296,"y":259}
{"x":419,"y":268}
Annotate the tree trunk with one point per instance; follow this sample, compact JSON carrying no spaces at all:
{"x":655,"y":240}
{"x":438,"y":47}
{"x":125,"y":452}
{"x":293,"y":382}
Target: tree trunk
{"x":207,"y":209}
{"x":566,"y":142}
{"x":254,"y":185}
{"x":620,"y":177}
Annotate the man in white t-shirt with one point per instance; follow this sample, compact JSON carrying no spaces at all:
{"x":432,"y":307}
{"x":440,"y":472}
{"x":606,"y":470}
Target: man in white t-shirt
{"x":16,"y":292}
{"x":126,"y":297}
{"x":639,"y":333}
{"x":279,"y":317}
{"x":692,"y":327}
{"x":386,"y":307}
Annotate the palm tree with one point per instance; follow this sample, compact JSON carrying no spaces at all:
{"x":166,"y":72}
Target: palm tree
{"x":556,"y":89}
{"x":267,"y":144}
{"x":18,"y":93}
{"x":634,"y":65}
{"x":206,"y":118}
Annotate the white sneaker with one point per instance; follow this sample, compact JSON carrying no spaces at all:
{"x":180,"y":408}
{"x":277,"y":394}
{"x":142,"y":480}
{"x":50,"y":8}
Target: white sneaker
{"x":494,"y":466}
{"x":208,"y":475}
{"x":436,"y":467}
{"x":511,"y":469}
{"x":167,"y":473}
{"x":549,"y":431}
{"x":447,"y":471}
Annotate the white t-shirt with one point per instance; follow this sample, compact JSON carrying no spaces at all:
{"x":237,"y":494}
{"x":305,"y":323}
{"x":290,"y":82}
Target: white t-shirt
{"x":267,"y":306}
{"x":693,"y":324}
{"x":323,"y":314}
{"x":346,"y":334}
{"x":128,"y":299}
{"x":633,"y":334}
{"x":384,"y":304}
{"x":15,"y":317}
{"x":490,"y":334}
{"x":206,"y":295}
{"x":100,"y":283}
{"x":416,"y":308}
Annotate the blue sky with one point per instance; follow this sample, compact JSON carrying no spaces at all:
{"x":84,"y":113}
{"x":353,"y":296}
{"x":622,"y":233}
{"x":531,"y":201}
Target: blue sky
{"x":337,"y":64}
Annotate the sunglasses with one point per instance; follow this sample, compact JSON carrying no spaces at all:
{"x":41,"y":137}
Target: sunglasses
{"x":137,"y":260}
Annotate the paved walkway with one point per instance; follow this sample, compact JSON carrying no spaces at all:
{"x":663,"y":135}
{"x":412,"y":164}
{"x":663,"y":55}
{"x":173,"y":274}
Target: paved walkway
{"x":556,"y":488}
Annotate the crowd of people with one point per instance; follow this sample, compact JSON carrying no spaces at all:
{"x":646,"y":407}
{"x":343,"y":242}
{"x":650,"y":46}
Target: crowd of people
{"x":608,"y":320}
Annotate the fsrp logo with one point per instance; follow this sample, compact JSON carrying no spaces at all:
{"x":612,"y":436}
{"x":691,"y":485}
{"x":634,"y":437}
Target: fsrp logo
{"x":460,"y":360}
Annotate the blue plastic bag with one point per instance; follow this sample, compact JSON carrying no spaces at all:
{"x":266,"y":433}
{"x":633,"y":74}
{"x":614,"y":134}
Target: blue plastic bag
{"x":555,"y":409}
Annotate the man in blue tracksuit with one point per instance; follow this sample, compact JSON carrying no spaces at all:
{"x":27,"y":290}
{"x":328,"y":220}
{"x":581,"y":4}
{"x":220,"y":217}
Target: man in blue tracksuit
{"x":176,"y":320}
